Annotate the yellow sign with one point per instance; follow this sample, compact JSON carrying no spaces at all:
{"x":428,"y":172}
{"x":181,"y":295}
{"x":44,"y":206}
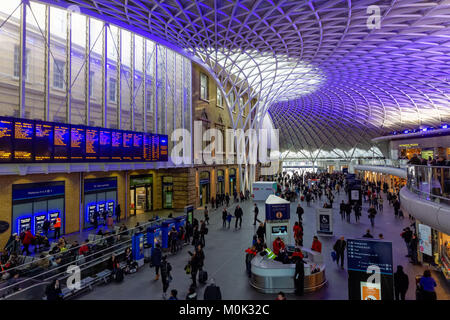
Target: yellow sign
{"x":409,"y":145}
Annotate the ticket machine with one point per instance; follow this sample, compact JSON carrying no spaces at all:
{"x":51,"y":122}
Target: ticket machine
{"x":180,"y":222}
{"x":153,"y":235}
{"x":166,"y":226}
{"x":39,"y":220}
{"x":277,"y":220}
{"x":24,"y":223}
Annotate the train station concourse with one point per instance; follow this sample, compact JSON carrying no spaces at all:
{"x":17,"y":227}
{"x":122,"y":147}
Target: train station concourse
{"x":224,"y":150}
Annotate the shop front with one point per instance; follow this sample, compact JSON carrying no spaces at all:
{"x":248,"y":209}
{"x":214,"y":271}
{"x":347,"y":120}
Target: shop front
{"x":167,"y":192}
{"x":205,"y":188}
{"x":220,"y":188}
{"x":33,"y":203}
{"x":141,"y":188}
{"x":232,"y":177}
{"x":407,"y":150}
{"x":99,"y":195}
{"x":434,"y":248}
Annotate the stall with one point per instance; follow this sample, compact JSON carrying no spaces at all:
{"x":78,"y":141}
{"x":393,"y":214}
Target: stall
{"x":271,"y":276}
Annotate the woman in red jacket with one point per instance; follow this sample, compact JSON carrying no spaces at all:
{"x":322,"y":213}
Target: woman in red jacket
{"x":27,"y":240}
{"x":278,"y":244}
{"x":316,"y":245}
{"x":298,"y":234}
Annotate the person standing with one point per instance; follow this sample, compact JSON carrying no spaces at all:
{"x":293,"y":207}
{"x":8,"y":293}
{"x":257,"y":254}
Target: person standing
{"x":212,"y":292}
{"x":196,"y":237}
{"x":427,"y":286}
{"x":224,"y":217}
{"x":118,"y":212}
{"x":300,"y":212}
{"x":339,"y":248}
{"x":401,"y":283}
{"x":203,"y":231}
{"x":155,"y":258}
{"x":316,"y":245}
{"x":342,"y":210}
{"x":238,"y":213}
{"x":197,"y":261}
{"x":27,"y":240}
{"x":348,"y":211}
{"x":357,"y":210}
{"x":46,"y":227}
{"x":57,"y":226}
{"x":256,"y":211}
{"x":261,"y":231}
{"x":95,"y":217}
{"x":299,"y":276}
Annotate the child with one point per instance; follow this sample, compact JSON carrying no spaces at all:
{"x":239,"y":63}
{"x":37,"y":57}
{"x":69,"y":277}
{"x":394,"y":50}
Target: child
{"x":229,"y":216}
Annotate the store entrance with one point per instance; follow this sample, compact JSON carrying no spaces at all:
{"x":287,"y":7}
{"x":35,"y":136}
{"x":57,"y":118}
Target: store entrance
{"x":141,"y":200}
{"x":205,"y":192}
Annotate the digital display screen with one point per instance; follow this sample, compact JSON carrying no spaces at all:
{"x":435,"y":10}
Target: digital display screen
{"x":104,"y":145}
{"x":77,"y":143}
{"x":364,"y":253}
{"x":279,"y":229}
{"x":23,"y":141}
{"x":61,"y":143}
{"x":43,"y":142}
{"x":92,"y":148}
{"x":6,"y":140}
{"x":39,"y":223}
{"x":138,"y":152}
{"x":101,"y":207}
{"x":24,"y":223}
{"x":127,"y":146}
{"x":110,"y":206}
{"x":116,"y":145}
{"x":90,"y":212}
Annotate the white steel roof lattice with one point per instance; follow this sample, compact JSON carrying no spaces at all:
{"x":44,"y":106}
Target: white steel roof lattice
{"x":326,"y":78}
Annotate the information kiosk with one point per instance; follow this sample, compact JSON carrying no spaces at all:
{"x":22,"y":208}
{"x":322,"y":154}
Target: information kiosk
{"x":277,"y":219}
{"x":153,"y":235}
{"x":180,"y":222}
{"x":137,"y":245}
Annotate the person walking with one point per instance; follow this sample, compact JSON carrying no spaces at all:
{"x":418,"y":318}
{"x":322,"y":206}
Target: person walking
{"x":342,"y":210}
{"x":46,"y":227}
{"x":224,"y":217}
{"x":256,"y":211}
{"x":118,"y":212}
{"x":155,"y":259}
{"x":339,"y":248}
{"x":197,"y":262}
{"x":368,"y":234}
{"x":166,"y":277}
{"x":300,"y":212}
{"x":401,"y":283}
{"x":206,"y":215}
{"x":357,"y":210}
{"x":348,"y":211}
{"x":427,"y":286}
{"x":27,"y":240}
{"x":196,"y":237}
{"x":238,"y":213}
{"x":372,"y":213}
{"x":261,"y":231}
{"x":203,"y":232}
{"x":192,"y":294}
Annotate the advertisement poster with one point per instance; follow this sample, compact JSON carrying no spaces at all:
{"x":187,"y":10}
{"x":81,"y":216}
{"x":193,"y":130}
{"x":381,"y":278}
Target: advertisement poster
{"x":425,"y":245}
{"x":354,"y":194}
{"x":370,"y":291}
{"x":324,"y":221}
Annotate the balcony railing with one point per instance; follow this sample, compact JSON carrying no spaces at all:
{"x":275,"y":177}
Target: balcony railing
{"x":430,"y":182}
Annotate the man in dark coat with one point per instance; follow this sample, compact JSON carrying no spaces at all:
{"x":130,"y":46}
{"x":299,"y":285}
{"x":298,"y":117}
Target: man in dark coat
{"x":212,"y":292}
{"x":238,"y":213}
{"x":299,"y":276}
{"x":339,"y":247}
{"x":300,"y":212}
{"x":155,"y":259}
{"x":401,"y":283}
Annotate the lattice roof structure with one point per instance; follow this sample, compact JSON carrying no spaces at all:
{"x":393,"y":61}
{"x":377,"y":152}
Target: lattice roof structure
{"x":329,"y":76}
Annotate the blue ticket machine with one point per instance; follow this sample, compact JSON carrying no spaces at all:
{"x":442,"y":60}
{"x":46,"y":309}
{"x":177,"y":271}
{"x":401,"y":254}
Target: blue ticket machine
{"x":39,"y":220}
{"x":111,"y":207}
{"x":24,"y":223}
{"x":137,"y":245}
{"x":180,"y":222}
{"x":166,"y":226}
{"x":153,"y":235}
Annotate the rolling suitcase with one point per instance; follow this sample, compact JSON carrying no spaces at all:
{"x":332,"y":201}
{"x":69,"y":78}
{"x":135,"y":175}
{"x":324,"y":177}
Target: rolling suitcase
{"x":202,"y":276}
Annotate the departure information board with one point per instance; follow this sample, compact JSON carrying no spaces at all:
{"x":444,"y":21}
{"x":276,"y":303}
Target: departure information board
{"x":24,"y":140}
{"x":6,"y":140}
{"x":43,"y":142}
{"x":61,"y":143}
{"x":92,"y":144}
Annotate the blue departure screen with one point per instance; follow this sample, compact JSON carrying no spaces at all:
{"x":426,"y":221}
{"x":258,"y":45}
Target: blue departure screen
{"x":77,"y":143}
{"x":138,"y":151}
{"x":23,"y":141}
{"x":364,"y":253}
{"x":43,"y":142}
{"x":92,"y":144}
{"x":6,"y":140}
{"x":105,"y":145}
{"x":147,"y":147}
{"x":163,"y":148}
{"x":155,"y":147}
{"x":116,"y":145}
{"x":127,"y":146}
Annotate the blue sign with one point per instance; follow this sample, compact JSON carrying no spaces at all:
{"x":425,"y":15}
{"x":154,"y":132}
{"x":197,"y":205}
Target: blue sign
{"x":137,"y":246}
{"x":278,"y":211}
{"x":37,"y":191}
{"x":363,"y":253}
{"x":97,"y":185}
{"x":24,"y":223}
{"x":166,"y":226}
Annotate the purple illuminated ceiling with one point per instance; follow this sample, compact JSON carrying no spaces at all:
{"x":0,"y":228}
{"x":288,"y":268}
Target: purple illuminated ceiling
{"x":360,"y":82}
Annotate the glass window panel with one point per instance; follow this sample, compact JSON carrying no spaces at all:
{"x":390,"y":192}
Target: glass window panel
{"x":113,"y":54}
{"x":125,"y":81}
{"x":9,"y":38}
{"x":96,"y":58}
{"x":139,"y":83}
{"x":161,"y":92}
{"x":150,"y":61}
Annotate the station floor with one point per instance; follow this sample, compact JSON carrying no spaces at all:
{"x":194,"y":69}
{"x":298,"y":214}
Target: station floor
{"x":224,"y":259}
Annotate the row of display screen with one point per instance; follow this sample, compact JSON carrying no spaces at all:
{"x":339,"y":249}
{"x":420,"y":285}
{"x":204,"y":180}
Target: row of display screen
{"x":38,"y":141}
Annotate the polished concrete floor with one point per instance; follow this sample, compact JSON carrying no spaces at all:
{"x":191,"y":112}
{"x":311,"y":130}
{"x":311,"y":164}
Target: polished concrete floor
{"x":225,"y":256}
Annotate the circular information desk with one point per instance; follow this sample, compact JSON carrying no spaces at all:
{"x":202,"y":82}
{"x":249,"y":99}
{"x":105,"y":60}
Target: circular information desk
{"x":270,"y":276}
